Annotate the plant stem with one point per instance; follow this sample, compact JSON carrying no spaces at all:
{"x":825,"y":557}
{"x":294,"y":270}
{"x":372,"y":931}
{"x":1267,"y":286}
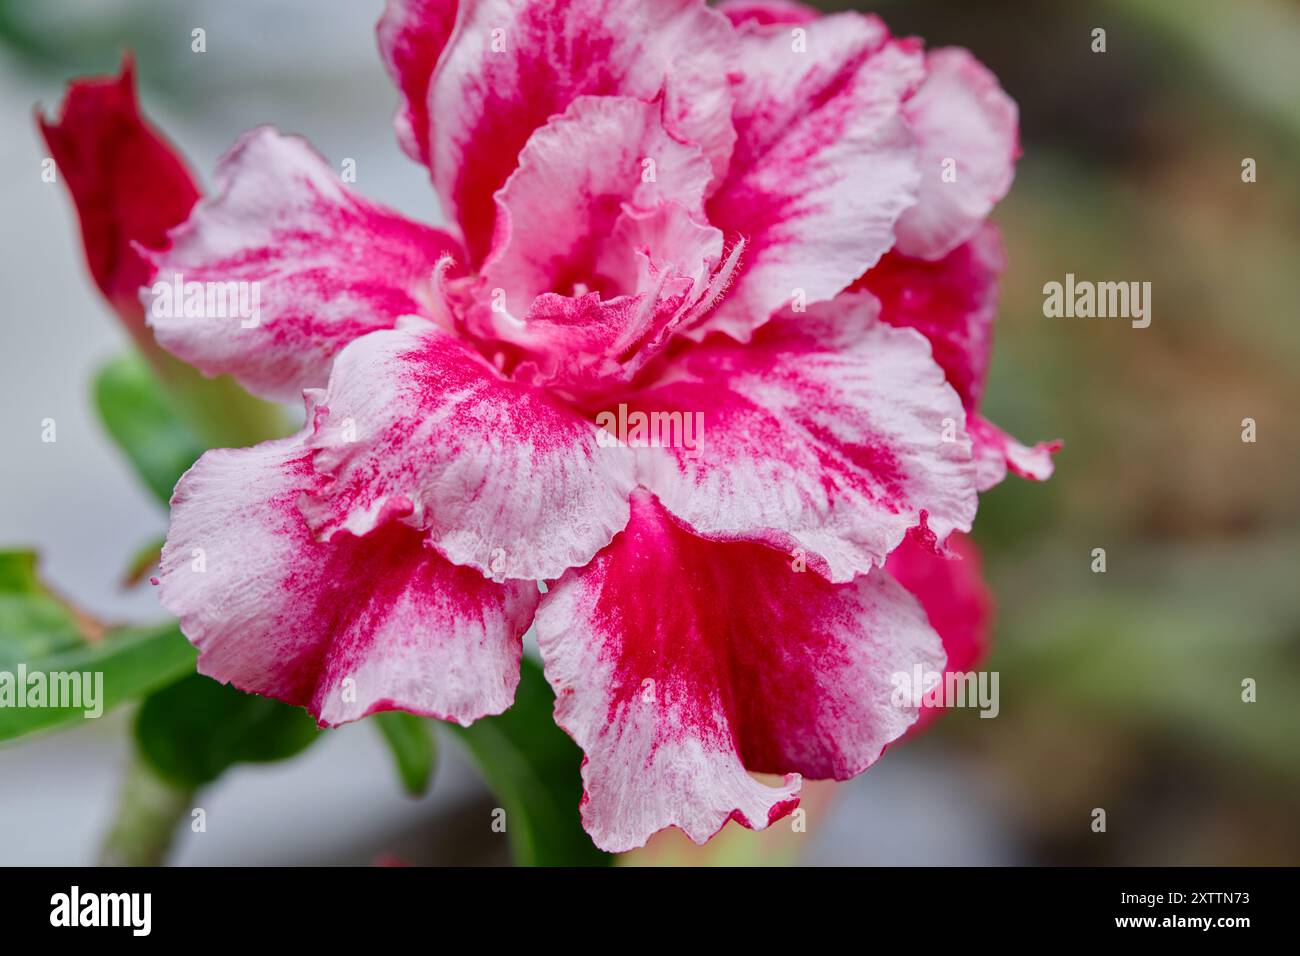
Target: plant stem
{"x":148,"y":812}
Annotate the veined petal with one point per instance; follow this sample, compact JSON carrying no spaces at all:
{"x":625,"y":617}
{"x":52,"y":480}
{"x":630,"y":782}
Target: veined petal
{"x":311,"y":265}
{"x":679,"y":664}
{"x":501,"y":476}
{"x":512,"y":64}
{"x":830,"y":432}
{"x":824,"y":163}
{"x":968,"y":131}
{"x":346,"y":627}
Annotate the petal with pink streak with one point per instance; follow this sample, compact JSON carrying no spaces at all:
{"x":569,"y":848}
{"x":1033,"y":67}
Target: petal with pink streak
{"x":412,"y":35}
{"x":830,"y":432}
{"x":502,"y":477}
{"x":318,"y":267}
{"x":512,"y":64}
{"x":577,"y":176}
{"x":956,"y":600}
{"x":824,"y":163}
{"x":767,"y":12}
{"x":600,"y":242}
{"x":681,"y":664}
{"x":951,"y":301}
{"x":960,"y":113}
{"x":995,"y":452}
{"x":344,"y":628}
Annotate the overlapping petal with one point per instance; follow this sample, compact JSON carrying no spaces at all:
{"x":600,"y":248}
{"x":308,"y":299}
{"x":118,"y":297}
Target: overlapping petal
{"x":824,"y":162}
{"x":512,"y":64}
{"x":313,"y":265}
{"x":830,"y":432}
{"x":767,"y":12}
{"x":953,"y":302}
{"x":412,"y":35}
{"x":346,"y":627}
{"x":600,"y":244}
{"x":956,"y":601}
{"x":968,"y":131}
{"x":577,"y":177}
{"x":680,"y":664}
{"x":502,"y":477}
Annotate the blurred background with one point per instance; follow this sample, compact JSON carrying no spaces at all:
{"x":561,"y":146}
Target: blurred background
{"x":1119,"y":690}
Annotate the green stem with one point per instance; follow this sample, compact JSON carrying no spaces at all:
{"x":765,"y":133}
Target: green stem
{"x":148,"y":812}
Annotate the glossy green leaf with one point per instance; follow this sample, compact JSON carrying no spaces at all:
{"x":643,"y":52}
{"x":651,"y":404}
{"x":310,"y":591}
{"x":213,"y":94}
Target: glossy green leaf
{"x":533,"y":768}
{"x":44,"y":641}
{"x":131,"y":662}
{"x":410,"y":738}
{"x":193,"y":730}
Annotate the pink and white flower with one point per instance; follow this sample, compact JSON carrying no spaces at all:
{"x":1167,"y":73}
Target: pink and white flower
{"x":739,"y":212}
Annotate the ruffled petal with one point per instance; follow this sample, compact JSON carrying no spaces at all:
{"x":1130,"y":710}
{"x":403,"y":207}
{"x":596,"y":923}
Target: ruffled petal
{"x":343,"y":628}
{"x":956,"y":600}
{"x":830,"y":432}
{"x":767,"y":12}
{"x":995,"y":452}
{"x":313,"y":267}
{"x":600,"y":243}
{"x":512,"y":64}
{"x":412,"y":35}
{"x":824,"y":162}
{"x":965,"y":125}
{"x":577,"y":177}
{"x":129,"y":184}
{"x":501,"y":476}
{"x":680,"y":664}
{"x":953,"y":302}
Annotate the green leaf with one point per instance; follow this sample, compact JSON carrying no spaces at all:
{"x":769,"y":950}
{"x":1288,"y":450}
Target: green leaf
{"x":132,"y":662}
{"x":142,"y":420}
{"x":33,"y":622}
{"x":41,"y":635}
{"x":411,"y":740}
{"x":18,"y":573}
{"x":193,"y":730}
{"x":533,"y":768}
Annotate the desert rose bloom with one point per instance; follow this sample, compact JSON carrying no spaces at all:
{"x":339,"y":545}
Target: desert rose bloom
{"x":740,"y":217}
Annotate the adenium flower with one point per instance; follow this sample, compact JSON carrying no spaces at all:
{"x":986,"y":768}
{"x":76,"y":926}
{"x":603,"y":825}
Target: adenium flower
{"x":744,"y":213}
